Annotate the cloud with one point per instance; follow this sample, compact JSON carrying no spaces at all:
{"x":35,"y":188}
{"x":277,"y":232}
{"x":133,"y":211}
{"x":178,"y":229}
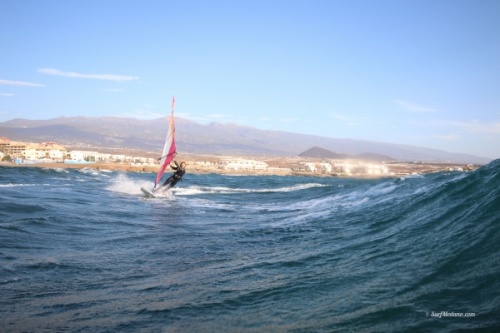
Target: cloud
{"x":6,"y":94}
{"x":106,"y":77}
{"x":20,"y":83}
{"x":114,"y":90}
{"x":216,"y":116}
{"x":211,"y":118}
{"x":348,"y":120}
{"x":447,"y":137}
{"x":143,"y":114}
{"x":191,"y":117}
{"x":338,"y":116}
{"x":478,"y":127}
{"x":413,"y":107}
{"x":287,"y":120}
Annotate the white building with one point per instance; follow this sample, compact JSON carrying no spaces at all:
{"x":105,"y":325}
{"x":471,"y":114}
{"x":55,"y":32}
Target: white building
{"x":203,"y":164}
{"x":325,"y":167}
{"x":279,"y":170}
{"x":83,"y":155}
{"x":33,"y":154}
{"x":242,"y":164}
{"x":309,"y":166}
{"x":100,"y":157}
{"x":143,"y":161}
{"x":45,"y":150}
{"x":117,"y":158}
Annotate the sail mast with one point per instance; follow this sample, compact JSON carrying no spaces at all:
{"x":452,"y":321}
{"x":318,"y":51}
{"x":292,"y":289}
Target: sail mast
{"x":169,"y":149}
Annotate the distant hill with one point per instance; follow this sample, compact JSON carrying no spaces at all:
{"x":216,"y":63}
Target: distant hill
{"x":317,"y":152}
{"x":214,"y":138}
{"x":374,"y":157}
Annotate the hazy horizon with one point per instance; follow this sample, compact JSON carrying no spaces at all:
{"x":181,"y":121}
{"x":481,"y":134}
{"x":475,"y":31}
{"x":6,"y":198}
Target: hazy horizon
{"x":224,"y":135}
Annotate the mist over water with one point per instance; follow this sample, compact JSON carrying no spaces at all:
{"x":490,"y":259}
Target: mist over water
{"x":83,"y":250}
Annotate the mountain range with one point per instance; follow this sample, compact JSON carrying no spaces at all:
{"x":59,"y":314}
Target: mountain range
{"x":213,"y":138}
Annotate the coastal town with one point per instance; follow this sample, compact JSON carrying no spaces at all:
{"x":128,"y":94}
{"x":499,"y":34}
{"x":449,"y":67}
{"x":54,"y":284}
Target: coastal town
{"x":51,"y":154}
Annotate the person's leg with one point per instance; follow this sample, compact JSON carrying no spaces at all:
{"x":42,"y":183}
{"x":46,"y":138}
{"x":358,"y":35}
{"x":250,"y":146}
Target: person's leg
{"x":172,"y":184}
{"x":168,"y":181}
{"x":164,"y":185}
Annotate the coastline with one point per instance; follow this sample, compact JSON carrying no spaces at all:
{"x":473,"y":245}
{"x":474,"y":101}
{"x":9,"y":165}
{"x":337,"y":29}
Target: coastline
{"x":398,"y":169}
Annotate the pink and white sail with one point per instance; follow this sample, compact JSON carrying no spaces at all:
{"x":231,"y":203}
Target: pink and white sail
{"x":169,"y":149}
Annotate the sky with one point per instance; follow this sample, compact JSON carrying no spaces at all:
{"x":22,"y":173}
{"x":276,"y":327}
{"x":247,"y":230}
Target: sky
{"x":423,"y":73}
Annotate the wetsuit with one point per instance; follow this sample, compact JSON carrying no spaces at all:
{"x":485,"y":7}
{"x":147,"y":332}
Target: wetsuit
{"x":172,"y":180}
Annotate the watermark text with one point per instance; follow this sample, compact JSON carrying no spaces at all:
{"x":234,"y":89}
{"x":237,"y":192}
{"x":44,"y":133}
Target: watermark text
{"x":452,"y":314}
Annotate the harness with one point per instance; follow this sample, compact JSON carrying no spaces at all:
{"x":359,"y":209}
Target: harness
{"x":179,"y":173}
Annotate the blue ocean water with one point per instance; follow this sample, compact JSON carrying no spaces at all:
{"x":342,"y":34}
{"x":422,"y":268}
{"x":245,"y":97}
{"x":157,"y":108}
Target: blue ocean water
{"x":84,"y":251}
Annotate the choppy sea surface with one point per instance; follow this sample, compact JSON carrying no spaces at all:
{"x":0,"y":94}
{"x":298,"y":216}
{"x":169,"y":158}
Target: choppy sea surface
{"x":85,"y":251}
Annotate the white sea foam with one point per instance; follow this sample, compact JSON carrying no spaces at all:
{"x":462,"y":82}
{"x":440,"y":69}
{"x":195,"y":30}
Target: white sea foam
{"x":194,"y":190}
{"x":60,"y":170}
{"x":210,"y":205}
{"x":383,"y":188}
{"x":18,"y":185}
{"x":13,"y":185}
{"x":123,"y":184}
{"x":91,"y":171}
{"x":411,"y":176}
{"x":357,"y":202}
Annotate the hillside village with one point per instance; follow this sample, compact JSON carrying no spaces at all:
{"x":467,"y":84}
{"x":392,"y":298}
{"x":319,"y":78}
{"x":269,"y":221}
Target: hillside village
{"x":30,"y":153}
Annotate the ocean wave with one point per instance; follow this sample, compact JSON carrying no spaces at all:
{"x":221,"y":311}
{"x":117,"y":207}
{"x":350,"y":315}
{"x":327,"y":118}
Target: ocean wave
{"x":59,"y":170}
{"x":194,"y":190}
{"x":250,"y":253}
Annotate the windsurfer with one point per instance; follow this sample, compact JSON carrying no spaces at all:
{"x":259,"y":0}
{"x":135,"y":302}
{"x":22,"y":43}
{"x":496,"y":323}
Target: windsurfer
{"x":180,"y":170}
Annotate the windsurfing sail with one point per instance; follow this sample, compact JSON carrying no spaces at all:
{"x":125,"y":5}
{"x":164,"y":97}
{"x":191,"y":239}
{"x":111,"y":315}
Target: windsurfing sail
{"x":169,"y":149}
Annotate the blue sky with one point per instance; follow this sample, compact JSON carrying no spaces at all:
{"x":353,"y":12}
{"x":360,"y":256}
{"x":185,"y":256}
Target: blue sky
{"x":424,"y":73}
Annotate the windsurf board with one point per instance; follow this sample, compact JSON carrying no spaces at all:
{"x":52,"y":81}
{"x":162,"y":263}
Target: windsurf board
{"x":148,"y":193}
